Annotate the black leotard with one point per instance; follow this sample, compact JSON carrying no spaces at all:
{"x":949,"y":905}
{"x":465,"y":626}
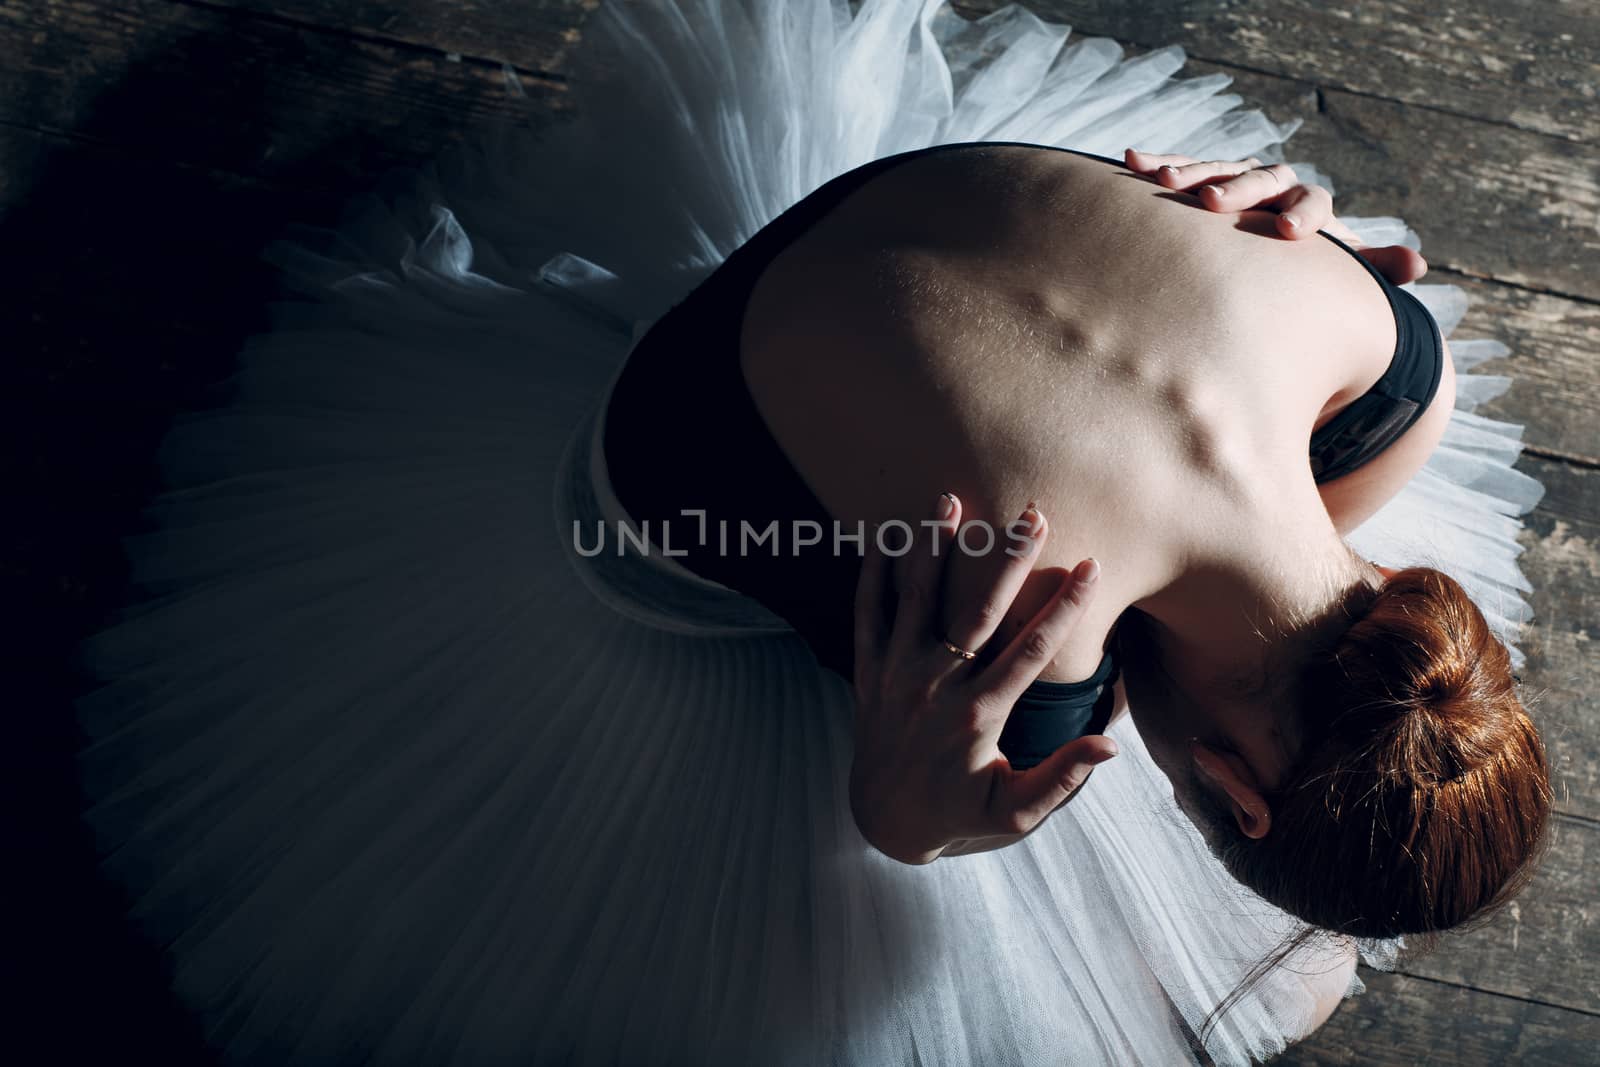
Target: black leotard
{"x":1377,"y":418}
{"x":683,"y":433}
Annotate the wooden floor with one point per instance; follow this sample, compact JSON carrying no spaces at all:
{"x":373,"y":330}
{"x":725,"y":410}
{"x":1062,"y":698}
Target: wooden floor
{"x":149,"y":147}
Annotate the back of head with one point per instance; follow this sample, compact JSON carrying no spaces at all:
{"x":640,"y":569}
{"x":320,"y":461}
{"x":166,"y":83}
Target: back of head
{"x":1421,"y":792}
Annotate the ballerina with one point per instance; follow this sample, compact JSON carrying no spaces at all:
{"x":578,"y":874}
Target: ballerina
{"x":1018,"y":353}
{"x":394,"y":770}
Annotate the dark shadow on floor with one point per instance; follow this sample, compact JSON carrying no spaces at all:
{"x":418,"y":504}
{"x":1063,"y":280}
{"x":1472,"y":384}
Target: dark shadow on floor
{"x":130,"y":284}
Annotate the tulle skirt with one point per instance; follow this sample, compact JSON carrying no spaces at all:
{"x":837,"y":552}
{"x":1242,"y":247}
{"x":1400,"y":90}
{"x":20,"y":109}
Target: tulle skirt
{"x":394,"y":773}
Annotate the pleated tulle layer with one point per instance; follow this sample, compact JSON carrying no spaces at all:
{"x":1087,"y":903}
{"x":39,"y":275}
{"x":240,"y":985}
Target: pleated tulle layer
{"x":395,"y":775}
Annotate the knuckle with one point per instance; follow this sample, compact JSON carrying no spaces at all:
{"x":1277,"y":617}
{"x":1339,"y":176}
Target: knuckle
{"x":1039,"y":643}
{"x":969,"y":723}
{"x":988,"y":614}
{"x":1077,"y":595}
{"x":982,"y":707}
{"x":1016,"y":821}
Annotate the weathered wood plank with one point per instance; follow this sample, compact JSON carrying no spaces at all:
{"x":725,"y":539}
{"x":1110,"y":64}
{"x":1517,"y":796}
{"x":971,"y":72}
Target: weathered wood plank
{"x":1411,"y":1022}
{"x":1562,"y":560}
{"x":1487,"y":200}
{"x":1543,"y":945}
{"x":531,"y":35}
{"x":256,"y":96}
{"x":1553,"y":364}
{"x":1538,"y":68}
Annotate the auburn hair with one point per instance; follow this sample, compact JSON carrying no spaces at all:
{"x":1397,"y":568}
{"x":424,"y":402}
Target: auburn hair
{"x":1420,"y":792}
{"x":1418,"y":795}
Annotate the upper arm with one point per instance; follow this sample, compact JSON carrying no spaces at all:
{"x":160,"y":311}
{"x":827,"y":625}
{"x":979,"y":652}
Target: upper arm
{"x":1355,"y":497}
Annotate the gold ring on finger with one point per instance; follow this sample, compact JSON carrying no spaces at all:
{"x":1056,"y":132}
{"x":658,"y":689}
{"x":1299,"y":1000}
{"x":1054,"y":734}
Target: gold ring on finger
{"x":958,"y":650}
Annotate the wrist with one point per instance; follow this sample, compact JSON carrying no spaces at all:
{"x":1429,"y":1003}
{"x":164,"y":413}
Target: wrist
{"x":885,"y":832}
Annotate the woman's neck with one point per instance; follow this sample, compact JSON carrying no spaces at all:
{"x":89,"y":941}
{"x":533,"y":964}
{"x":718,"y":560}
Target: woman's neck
{"x":1230,"y":618}
{"x":1217,"y":649}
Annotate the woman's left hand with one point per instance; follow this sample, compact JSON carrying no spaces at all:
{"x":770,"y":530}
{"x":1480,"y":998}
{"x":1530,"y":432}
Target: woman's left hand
{"x":1240,"y":185}
{"x":928,"y":778}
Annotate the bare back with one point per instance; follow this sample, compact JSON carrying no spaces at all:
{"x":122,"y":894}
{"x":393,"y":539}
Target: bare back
{"x":1015,"y":324}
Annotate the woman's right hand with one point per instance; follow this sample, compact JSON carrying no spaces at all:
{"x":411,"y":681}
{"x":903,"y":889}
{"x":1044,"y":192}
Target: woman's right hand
{"x":1242,"y":184}
{"x":928,"y":773}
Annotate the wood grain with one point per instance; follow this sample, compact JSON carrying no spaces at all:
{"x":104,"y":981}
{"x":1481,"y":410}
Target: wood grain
{"x":1487,"y":200}
{"x":1555,"y":918}
{"x":1413,"y":1022}
{"x":1562,"y":679}
{"x":1538,"y":69}
{"x":531,"y":35}
{"x":258,"y":97}
{"x":1554,"y":344}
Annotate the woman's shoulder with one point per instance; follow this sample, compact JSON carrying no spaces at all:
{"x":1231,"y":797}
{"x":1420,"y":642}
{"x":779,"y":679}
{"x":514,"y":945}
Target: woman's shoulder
{"x":914,"y":245}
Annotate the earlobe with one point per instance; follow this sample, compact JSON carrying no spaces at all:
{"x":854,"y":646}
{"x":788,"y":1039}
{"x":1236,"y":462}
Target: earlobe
{"x":1233,"y":777}
{"x":1254,"y":821}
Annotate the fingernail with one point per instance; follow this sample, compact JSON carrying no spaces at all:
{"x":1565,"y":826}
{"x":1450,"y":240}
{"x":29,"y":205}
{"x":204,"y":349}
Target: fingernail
{"x":1293,"y":221}
{"x":1034,"y":520}
{"x":1217,"y":189}
{"x":1169,"y":170}
{"x":947,"y":505}
{"x":1088,"y":571}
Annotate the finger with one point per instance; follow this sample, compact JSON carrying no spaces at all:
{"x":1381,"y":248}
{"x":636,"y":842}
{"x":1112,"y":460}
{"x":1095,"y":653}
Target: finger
{"x":1001,"y":683}
{"x":1337,"y":228}
{"x":1023,"y":801}
{"x":1396,"y":262}
{"x":872,"y":631}
{"x":919,"y":581}
{"x":1256,"y":187}
{"x":971,"y":627}
{"x":1186,"y":176}
{"x":1148,"y":161}
{"x":1304,"y":210}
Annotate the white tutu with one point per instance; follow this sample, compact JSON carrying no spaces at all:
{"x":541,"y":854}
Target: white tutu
{"x":395,"y":774}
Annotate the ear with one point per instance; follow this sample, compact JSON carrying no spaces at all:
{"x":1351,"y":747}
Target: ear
{"x":1231,"y":775}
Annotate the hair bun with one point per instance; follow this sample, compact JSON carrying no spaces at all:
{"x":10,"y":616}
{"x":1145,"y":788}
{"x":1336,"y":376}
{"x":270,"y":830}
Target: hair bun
{"x":1424,"y":657}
